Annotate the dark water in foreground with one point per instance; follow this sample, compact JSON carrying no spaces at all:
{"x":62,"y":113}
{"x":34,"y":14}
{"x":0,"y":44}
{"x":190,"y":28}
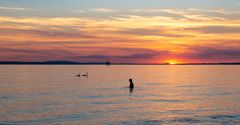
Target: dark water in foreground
{"x":171,"y":95}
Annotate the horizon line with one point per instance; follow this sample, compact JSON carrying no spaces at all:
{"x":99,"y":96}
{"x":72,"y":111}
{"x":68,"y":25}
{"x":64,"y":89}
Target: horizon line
{"x":104,"y":63}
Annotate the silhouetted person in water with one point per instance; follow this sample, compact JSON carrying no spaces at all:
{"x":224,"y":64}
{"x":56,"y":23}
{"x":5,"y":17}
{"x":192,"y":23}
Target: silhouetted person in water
{"x":108,"y":63}
{"x":131,"y":86}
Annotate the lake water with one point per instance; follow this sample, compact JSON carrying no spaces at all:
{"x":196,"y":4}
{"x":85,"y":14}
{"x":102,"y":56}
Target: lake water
{"x":163,"y":94}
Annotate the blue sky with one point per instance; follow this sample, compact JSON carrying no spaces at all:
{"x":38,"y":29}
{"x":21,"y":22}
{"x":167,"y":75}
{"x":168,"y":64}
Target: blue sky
{"x":51,"y":8}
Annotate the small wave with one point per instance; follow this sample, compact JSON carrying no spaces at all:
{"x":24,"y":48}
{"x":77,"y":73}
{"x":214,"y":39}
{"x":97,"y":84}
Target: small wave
{"x":99,"y":103}
{"x":7,"y":97}
{"x":3,"y":97}
{"x":185,"y":120}
{"x":218,"y":94}
{"x":102,"y":96}
{"x":159,"y":122}
{"x":97,"y":96}
{"x":54,"y":119}
{"x":108,"y":102}
{"x":152,"y":83}
{"x":225,"y":116}
{"x":8,"y":124}
{"x":189,"y":86}
{"x":151,"y":122}
{"x":142,"y":122}
{"x":166,"y":100}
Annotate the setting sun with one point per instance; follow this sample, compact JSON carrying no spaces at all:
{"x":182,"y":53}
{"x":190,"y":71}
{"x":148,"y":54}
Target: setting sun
{"x":173,"y":62}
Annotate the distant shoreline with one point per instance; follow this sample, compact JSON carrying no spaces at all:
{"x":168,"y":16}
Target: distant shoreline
{"x":103,"y":63}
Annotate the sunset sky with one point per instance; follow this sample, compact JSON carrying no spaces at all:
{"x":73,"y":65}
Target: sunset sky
{"x":135,"y":31}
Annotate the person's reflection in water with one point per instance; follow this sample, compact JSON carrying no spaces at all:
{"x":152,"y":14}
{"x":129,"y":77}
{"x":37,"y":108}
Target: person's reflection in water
{"x":131,"y":86}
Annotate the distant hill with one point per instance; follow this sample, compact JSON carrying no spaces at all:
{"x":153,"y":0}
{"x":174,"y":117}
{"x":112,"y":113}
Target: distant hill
{"x":50,"y":63}
{"x":103,"y":63}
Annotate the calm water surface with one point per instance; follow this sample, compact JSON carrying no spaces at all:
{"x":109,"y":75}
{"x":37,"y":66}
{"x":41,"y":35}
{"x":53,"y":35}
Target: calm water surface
{"x":171,"y":95}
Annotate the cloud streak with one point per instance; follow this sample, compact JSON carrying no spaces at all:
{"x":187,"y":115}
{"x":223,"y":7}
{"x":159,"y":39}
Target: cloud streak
{"x":15,"y":8}
{"x":216,"y":29}
{"x":102,"y":10}
{"x":210,"y":54}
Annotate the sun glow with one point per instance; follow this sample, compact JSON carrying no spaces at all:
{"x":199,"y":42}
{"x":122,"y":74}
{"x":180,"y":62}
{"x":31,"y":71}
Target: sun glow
{"x":173,"y":62}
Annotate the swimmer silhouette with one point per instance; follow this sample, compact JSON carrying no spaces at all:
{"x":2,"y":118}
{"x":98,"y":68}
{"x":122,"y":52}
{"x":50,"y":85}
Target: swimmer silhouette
{"x":131,"y":86}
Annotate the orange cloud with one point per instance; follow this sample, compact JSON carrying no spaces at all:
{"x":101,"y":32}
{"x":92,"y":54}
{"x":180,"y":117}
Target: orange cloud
{"x":156,"y":38}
